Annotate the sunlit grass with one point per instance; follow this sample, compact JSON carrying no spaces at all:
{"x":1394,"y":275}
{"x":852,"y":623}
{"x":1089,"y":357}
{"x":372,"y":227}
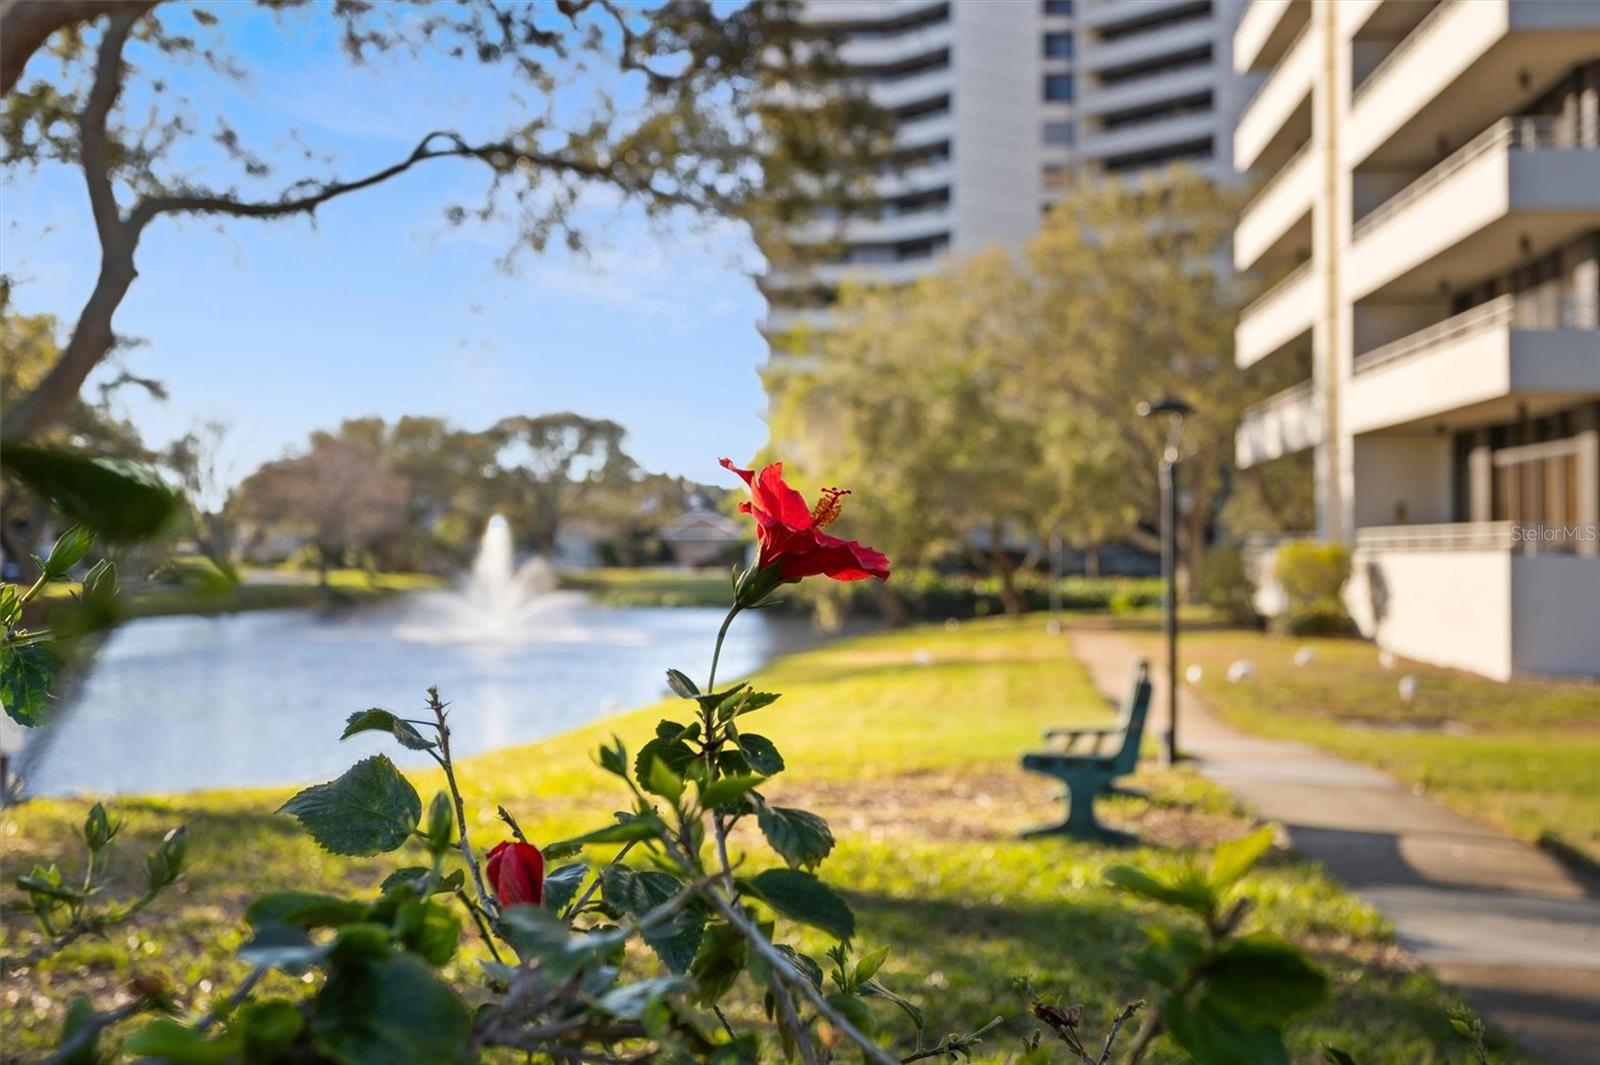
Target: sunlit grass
{"x":908,"y":743}
{"x":1523,"y":755}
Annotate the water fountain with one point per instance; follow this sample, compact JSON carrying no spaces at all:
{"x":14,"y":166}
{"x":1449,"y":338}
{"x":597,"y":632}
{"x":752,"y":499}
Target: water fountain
{"x":499,"y":600}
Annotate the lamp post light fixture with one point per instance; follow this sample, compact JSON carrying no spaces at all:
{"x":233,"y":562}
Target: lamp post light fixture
{"x":1174,"y":410}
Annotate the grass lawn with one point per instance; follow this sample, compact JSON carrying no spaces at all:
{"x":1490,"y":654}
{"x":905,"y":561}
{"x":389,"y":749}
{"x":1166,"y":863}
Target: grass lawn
{"x":651,"y":586}
{"x":908,"y":743}
{"x":345,"y":587}
{"x":1523,"y":755}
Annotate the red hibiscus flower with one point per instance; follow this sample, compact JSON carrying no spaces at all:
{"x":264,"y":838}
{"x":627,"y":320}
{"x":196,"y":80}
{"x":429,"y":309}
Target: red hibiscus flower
{"x":790,"y":533}
{"x":516,"y":872}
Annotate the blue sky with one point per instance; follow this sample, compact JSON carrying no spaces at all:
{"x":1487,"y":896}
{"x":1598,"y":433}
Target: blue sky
{"x":380,"y":307}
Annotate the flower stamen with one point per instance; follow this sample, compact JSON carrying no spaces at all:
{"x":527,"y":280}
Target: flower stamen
{"x":828,"y":507}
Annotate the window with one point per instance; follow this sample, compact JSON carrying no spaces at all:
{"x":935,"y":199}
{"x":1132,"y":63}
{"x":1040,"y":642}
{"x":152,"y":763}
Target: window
{"x":1058,"y":87}
{"x":1058,"y":7}
{"x":1058,"y":132}
{"x":1058,"y":45}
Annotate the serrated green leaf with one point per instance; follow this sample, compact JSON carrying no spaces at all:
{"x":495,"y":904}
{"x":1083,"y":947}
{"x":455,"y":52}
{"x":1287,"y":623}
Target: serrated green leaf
{"x":306,"y":909}
{"x":869,"y":965}
{"x":1213,"y":1037}
{"x":561,"y":885}
{"x":662,"y":781}
{"x":1188,"y":891}
{"x":368,"y":810}
{"x":806,"y":964}
{"x":27,"y":677}
{"x":380,"y":720}
{"x":802,"y":897}
{"x":761,"y":754}
{"x":412,"y":876}
{"x":800,"y":837}
{"x":629,"y":831}
{"x":637,"y":892}
{"x":674,"y":754}
{"x":1236,"y":857}
{"x":718,"y":962}
{"x":428,"y":930}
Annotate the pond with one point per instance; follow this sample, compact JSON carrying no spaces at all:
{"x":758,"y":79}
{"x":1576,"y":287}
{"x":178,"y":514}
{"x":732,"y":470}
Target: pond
{"x":185,"y":703}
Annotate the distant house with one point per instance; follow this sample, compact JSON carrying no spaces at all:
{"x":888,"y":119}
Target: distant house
{"x":702,"y":537}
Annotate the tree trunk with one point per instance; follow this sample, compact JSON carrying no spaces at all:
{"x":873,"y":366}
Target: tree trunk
{"x":92,"y":340}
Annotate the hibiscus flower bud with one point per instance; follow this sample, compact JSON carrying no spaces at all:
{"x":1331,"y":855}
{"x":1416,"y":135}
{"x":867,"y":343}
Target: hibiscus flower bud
{"x":516,"y":872}
{"x":441,"y":823}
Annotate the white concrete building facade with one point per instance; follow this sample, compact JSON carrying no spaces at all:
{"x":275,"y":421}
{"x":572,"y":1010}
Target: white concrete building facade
{"x":998,"y":104}
{"x":1428,"y":195}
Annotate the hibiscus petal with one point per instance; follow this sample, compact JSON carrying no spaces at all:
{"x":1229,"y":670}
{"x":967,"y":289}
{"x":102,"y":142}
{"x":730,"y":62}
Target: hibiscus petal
{"x":775,"y":497}
{"x":843,"y":560}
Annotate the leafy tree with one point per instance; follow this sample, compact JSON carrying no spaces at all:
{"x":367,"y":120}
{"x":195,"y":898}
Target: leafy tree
{"x":199,"y":459}
{"x":342,"y":496}
{"x":550,"y":465}
{"x":718,"y":125}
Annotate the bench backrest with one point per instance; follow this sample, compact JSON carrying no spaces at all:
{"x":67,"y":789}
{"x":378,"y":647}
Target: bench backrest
{"x":1134,"y":712}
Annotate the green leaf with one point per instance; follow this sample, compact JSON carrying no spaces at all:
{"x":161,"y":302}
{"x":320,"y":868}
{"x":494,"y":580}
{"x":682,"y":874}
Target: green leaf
{"x":875,"y":989}
{"x":283,"y":946}
{"x":800,"y":837}
{"x":391,"y":1010}
{"x":1188,"y":892}
{"x":629,"y":1001}
{"x":725,"y":790}
{"x":1262,"y":978}
{"x":637,"y":892}
{"x":561,"y":885}
{"x":1236,"y":857}
{"x":663,"y":782}
{"x":27,"y":675}
{"x":177,"y":1044}
{"x":304,"y":909}
{"x":116,"y":498}
{"x":869,"y":965}
{"x":1335,"y":1056}
{"x":70,"y":548}
{"x":718,"y":962}
{"x":412,"y":875}
{"x":428,"y":930}
{"x":761,"y":754}
{"x":368,"y":810}
{"x":854,"y":1010}
{"x":744,"y":703}
{"x":806,"y":964}
{"x":674,"y":754}
{"x":80,"y":1016}
{"x":1213,"y":1037}
{"x":537,"y":934}
{"x":269,"y":1028}
{"x":802,"y":897}
{"x":681,"y":685}
{"x":379,"y":720}
{"x":628,"y":831}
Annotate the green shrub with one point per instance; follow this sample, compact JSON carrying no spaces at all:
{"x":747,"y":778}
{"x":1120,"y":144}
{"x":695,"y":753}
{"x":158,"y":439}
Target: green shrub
{"x":1312,"y":577}
{"x":1228,"y":588}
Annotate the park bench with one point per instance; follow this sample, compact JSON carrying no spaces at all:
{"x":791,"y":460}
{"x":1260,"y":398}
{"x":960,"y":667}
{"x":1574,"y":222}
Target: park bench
{"x":1088,"y":774}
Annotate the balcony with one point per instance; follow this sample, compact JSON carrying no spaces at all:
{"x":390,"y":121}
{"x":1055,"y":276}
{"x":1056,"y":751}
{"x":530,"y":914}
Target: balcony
{"x":880,"y":50}
{"x":891,"y":94}
{"x":1266,"y":30}
{"x":886,"y":228}
{"x":1521,"y":187}
{"x":1102,"y":14}
{"x":1280,"y":316}
{"x":1277,"y":120}
{"x":1278,"y":218}
{"x":1459,"y":69}
{"x":1161,"y":41}
{"x":1290,"y":421}
{"x":1479,"y":366}
{"x":783,"y":321}
{"x":1158,"y":131}
{"x":1476,"y":596}
{"x":1182,"y":81}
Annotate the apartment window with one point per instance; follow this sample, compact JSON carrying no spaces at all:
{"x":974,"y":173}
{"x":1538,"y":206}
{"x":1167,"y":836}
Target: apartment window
{"x":925,"y":109}
{"x":1058,"y":87}
{"x":1167,"y":64}
{"x":1058,"y":45}
{"x":1058,"y":7}
{"x":1058,"y":132}
{"x":1157,"y":22}
{"x":1537,"y":484}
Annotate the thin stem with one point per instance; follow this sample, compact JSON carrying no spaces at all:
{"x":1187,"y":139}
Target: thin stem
{"x":443,"y":758}
{"x":716,"y":654}
{"x":73,"y":1046}
{"x":594,"y":884}
{"x":1116,"y":1028}
{"x":483,"y":925}
{"x":791,"y":1017}
{"x":246,"y":985}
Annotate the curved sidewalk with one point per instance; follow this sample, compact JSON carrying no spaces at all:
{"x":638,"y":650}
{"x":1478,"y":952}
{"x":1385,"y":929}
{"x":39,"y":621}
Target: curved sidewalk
{"x":1500,"y":920}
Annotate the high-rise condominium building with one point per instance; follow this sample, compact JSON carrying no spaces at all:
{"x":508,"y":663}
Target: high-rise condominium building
{"x":1430,"y":197}
{"x":997,"y":104}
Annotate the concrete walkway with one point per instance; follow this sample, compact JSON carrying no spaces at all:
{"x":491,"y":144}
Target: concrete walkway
{"x":1500,"y":920}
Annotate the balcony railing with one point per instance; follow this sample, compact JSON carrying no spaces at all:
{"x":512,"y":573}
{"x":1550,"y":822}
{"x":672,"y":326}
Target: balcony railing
{"x":1272,"y":77}
{"x":1278,"y":176}
{"x":1303,"y":392}
{"x":1520,"y":310}
{"x":1523,"y":133}
{"x":1454,"y":536}
{"x":1288,"y":281}
{"x":1406,"y":44}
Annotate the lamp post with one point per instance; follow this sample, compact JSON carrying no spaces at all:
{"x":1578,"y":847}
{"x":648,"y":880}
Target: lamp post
{"x":1174,"y":409}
